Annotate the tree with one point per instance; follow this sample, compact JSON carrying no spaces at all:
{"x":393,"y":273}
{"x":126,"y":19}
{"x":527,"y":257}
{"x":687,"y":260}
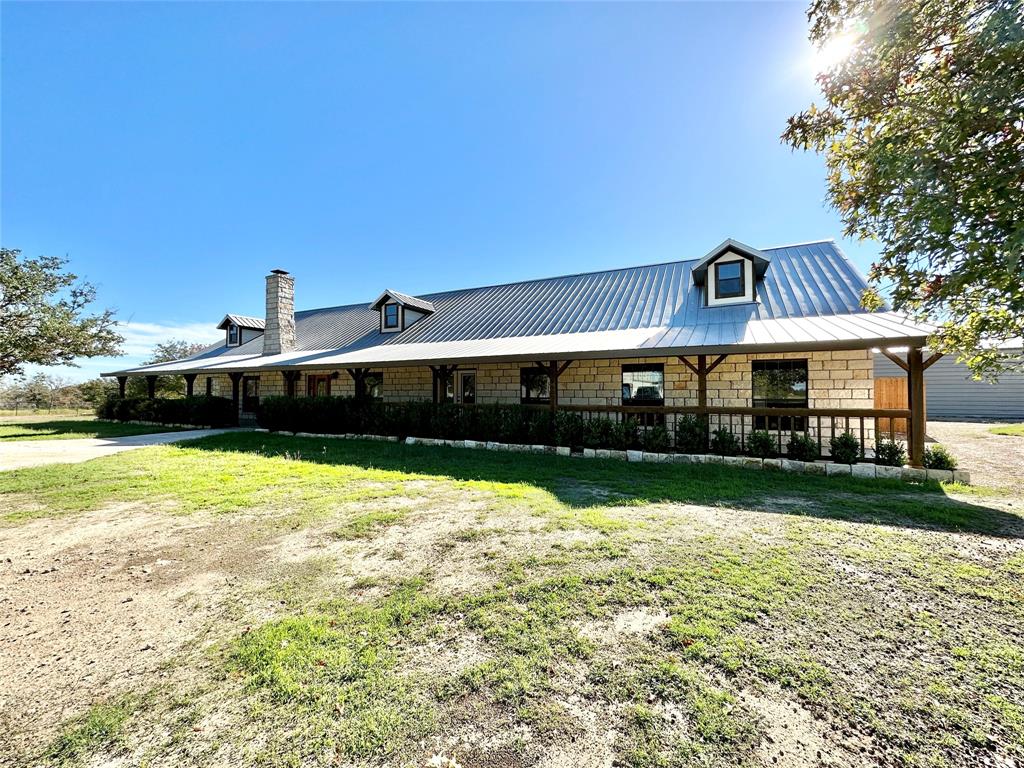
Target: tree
{"x":165,"y":352}
{"x":43,"y":317}
{"x":923,"y":133}
{"x":96,"y":391}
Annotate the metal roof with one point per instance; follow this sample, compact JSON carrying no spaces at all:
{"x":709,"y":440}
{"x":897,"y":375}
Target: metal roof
{"x":402,"y":298}
{"x":243,"y":321}
{"x":809,"y":298}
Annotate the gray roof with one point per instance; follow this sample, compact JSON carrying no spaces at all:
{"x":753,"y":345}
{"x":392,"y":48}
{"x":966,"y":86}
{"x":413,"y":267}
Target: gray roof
{"x":243,"y":321}
{"x":402,"y":298}
{"x":809,"y":298}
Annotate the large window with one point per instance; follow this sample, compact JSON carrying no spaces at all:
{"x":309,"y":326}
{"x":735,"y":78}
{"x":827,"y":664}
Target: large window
{"x":779,"y":384}
{"x":729,"y":279}
{"x":534,"y":385}
{"x":390,"y":315}
{"x":643,"y":384}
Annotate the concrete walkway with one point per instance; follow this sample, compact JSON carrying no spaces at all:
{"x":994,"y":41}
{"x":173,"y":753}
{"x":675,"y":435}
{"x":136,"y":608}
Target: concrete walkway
{"x":16,"y":454}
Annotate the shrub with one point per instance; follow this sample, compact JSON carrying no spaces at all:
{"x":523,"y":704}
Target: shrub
{"x":625,"y":435}
{"x":889,"y":453}
{"x":845,"y":448}
{"x":801,"y":448}
{"x":724,"y":442}
{"x":597,"y":433}
{"x":691,"y":434}
{"x":569,"y":429}
{"x":937,"y":457}
{"x":199,"y":410}
{"x":761,"y":444}
{"x":655,"y":439}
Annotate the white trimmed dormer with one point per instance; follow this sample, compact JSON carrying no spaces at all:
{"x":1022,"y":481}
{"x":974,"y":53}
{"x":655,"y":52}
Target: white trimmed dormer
{"x":240,"y":329}
{"x":730,"y":274}
{"x":398,"y":311}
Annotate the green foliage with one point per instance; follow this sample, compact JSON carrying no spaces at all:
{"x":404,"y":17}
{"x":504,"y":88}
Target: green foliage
{"x":761,"y":444}
{"x":201,"y":410}
{"x":625,"y":435}
{"x":724,"y":442}
{"x":889,"y":453}
{"x":921,"y":130}
{"x":801,"y":448}
{"x":165,"y":352}
{"x":691,"y":434}
{"x":44,"y":315}
{"x":844,"y":448}
{"x":1013,"y":430}
{"x":570,"y":429}
{"x":937,"y":457}
{"x":655,"y":439}
{"x":597,"y":433}
{"x":98,"y":729}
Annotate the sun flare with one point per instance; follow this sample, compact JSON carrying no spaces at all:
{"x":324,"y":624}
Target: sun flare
{"x":833,"y":51}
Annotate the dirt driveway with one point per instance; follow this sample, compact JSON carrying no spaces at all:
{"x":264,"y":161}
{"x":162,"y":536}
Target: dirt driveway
{"x":18,"y":454}
{"x":993,"y":460}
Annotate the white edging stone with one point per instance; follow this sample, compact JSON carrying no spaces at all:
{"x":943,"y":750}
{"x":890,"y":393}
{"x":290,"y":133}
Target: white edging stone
{"x":863,"y":470}
{"x":883,"y":472}
{"x":838,"y":469}
{"x":942,"y":475}
{"x":634,"y":455}
{"x":961,"y":476}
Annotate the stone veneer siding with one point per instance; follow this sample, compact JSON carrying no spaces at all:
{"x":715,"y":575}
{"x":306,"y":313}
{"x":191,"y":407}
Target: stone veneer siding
{"x":837,"y":379}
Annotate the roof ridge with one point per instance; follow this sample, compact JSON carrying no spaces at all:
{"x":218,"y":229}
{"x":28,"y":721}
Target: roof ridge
{"x":559,"y":277}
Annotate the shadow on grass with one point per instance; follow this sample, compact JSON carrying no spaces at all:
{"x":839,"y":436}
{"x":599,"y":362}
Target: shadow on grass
{"x":56,"y":429}
{"x":599,"y":482}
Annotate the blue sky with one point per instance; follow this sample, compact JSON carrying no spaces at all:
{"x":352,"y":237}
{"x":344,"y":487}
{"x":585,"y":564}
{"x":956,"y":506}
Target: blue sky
{"x":177,"y":152}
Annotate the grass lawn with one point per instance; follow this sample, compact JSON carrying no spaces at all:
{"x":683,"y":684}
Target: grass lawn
{"x":258,"y":600}
{"x":1016,"y":430}
{"x":68,"y":429}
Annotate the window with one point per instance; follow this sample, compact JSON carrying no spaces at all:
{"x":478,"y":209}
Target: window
{"x":390,"y":315}
{"x":374,"y":384}
{"x":534,"y":386}
{"x":209,"y":385}
{"x":729,"y":279}
{"x":318,"y":385}
{"x":779,"y":384}
{"x":643,"y":384}
{"x":232,"y":335}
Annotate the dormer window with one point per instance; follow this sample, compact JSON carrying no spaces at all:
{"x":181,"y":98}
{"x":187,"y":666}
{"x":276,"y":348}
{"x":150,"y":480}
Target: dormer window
{"x":398,"y":311}
{"x":729,"y":282}
{"x":232,"y":335}
{"x":730,"y":274}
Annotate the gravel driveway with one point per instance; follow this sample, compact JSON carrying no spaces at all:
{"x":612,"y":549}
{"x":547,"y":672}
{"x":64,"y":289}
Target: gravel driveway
{"x":993,"y":460}
{"x":17,"y":454}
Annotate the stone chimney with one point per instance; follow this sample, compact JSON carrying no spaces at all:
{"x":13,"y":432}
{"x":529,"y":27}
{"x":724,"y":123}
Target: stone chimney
{"x":279,"y":335}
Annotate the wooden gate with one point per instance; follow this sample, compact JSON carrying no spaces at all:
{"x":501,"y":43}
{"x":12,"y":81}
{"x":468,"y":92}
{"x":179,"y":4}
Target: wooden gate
{"x":891,"y":392}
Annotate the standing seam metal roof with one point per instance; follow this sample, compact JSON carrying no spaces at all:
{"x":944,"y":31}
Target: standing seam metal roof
{"x":804,"y":297}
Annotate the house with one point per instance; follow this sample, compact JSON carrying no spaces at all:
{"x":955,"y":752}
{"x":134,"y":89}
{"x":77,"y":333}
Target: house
{"x":954,"y":396}
{"x":751,"y":338}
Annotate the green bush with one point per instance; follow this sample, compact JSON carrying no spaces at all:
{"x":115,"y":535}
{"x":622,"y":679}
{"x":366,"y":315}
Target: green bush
{"x":199,"y":410}
{"x":937,"y":457}
{"x":569,"y":429}
{"x":724,"y":442}
{"x":761,"y":444}
{"x":801,"y":448}
{"x":597,"y":433}
{"x":691,"y":434}
{"x":845,"y":448}
{"x":889,"y":453}
{"x":625,"y":435}
{"x":655,"y":439}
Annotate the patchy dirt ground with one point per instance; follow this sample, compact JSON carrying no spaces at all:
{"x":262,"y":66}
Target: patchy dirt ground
{"x":996,"y":461}
{"x":494,"y":625}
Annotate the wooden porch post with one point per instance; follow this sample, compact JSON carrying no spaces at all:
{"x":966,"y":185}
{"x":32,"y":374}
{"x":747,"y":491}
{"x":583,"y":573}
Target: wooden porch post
{"x":190,"y":381}
{"x":151,"y":387}
{"x":915,"y":396}
{"x":122,"y":382}
{"x":290,"y":379}
{"x":359,"y":380}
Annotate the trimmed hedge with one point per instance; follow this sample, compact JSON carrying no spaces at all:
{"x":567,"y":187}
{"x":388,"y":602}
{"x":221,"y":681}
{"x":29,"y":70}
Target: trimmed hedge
{"x":498,"y":423}
{"x":201,"y":410}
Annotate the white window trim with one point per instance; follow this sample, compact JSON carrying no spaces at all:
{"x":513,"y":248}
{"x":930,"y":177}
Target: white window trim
{"x":749,"y":294}
{"x":401,"y":317}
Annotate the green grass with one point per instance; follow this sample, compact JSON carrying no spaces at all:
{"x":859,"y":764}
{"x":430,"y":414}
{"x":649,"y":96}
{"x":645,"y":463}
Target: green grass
{"x":890,"y":611}
{"x":1015,"y":430}
{"x":74,"y":428}
{"x":98,"y":729}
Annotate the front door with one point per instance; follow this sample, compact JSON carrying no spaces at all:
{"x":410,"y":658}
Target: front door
{"x":466,"y":389}
{"x":250,"y":394}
